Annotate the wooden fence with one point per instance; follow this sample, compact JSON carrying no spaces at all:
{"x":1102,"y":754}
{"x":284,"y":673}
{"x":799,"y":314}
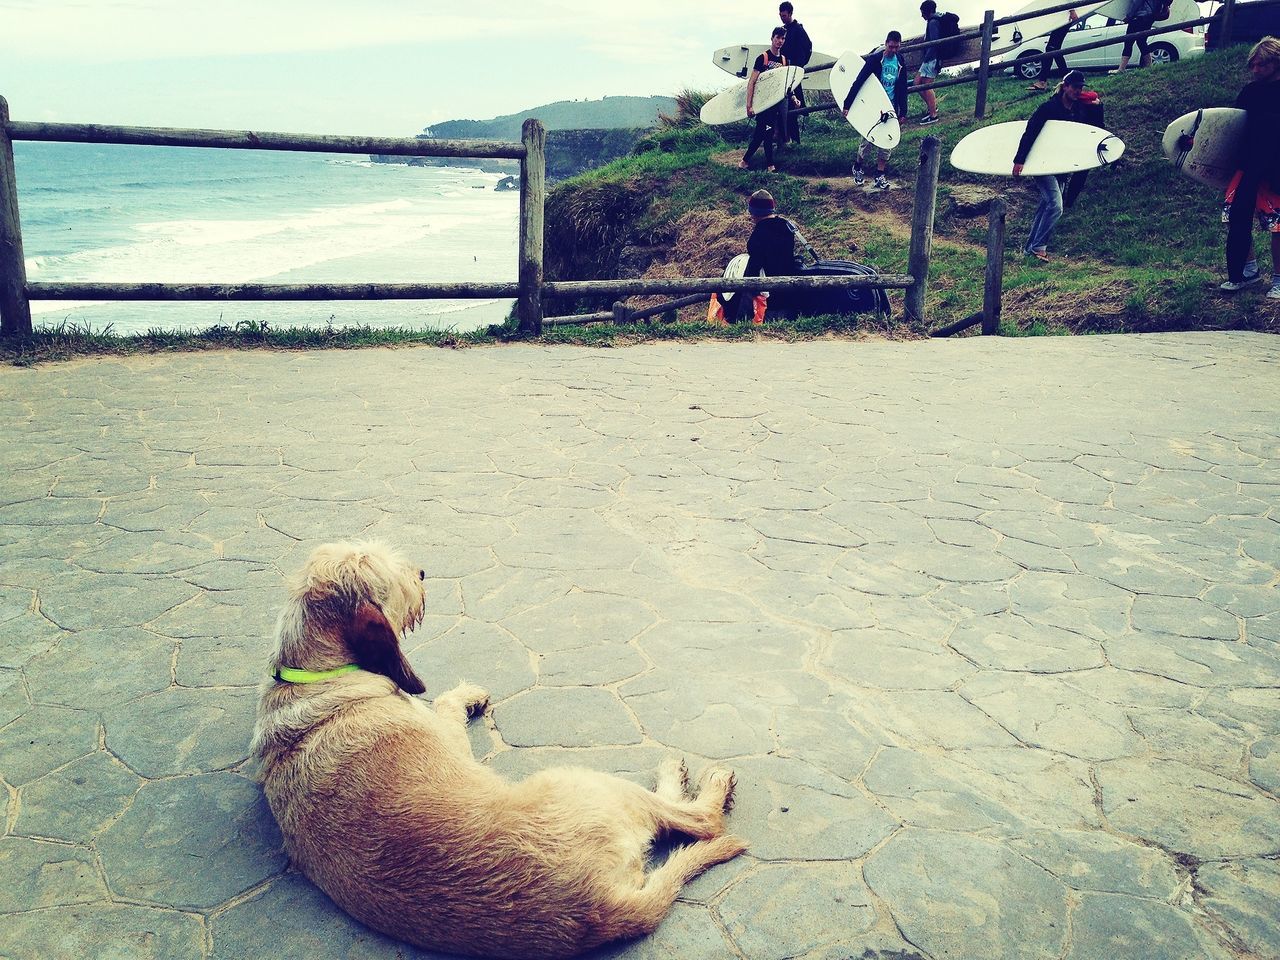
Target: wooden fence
{"x":530,"y":290}
{"x":16,"y":291}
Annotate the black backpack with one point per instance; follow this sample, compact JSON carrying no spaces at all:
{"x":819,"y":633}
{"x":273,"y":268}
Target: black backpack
{"x":948,"y":26}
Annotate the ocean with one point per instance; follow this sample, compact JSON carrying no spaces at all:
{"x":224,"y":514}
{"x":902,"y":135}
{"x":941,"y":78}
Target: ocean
{"x":111,"y":213}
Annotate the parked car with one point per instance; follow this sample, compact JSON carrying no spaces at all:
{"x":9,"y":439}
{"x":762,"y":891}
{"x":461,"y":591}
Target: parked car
{"x":1250,"y":22}
{"x":1165,"y":48}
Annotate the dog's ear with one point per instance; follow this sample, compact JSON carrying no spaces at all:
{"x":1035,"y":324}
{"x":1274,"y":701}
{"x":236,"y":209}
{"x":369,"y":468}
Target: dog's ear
{"x":375,"y":646}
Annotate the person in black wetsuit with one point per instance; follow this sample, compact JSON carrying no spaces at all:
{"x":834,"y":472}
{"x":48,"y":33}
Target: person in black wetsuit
{"x":797,"y":48}
{"x":1254,"y":192}
{"x":1053,"y":52}
{"x":1142,"y":16}
{"x":771,"y":250}
{"x":767,"y":121}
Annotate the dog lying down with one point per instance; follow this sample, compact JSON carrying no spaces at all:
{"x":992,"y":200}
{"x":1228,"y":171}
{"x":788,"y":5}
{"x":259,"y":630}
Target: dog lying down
{"x":383,"y":806}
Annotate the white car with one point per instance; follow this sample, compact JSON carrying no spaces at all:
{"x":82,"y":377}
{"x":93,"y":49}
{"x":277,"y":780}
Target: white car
{"x":1164,"y":47}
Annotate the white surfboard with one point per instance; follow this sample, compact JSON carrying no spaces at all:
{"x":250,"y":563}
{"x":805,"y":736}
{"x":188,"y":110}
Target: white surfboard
{"x":871,"y":113}
{"x":736,"y":270}
{"x":1116,"y":9}
{"x":1025,"y":30}
{"x":1215,"y":133}
{"x":1063,"y":146}
{"x":740,"y":58}
{"x":730,"y":106}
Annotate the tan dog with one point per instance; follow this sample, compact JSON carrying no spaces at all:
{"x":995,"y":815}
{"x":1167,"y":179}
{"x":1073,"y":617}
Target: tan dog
{"x":383,"y":806}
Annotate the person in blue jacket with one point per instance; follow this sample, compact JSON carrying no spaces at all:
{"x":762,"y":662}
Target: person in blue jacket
{"x":887,"y":66}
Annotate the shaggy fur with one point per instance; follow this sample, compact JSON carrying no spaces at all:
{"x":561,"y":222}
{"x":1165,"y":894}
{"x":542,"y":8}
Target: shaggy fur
{"x":383,"y":806}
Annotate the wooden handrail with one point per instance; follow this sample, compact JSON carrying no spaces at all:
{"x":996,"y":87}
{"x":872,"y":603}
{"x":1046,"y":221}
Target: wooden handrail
{"x":588,"y":288}
{"x":253,"y":140}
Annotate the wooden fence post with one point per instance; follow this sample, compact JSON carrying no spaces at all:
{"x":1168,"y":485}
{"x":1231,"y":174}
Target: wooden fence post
{"x":15,"y":310}
{"x":533,"y":196}
{"x":984,"y":65}
{"x":621,"y":315}
{"x":995,"y":267}
{"x":922,"y":227}
{"x":1227,"y":7}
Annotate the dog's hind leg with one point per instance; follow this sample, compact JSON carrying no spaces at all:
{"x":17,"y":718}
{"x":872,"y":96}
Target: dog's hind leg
{"x":702,"y":817}
{"x":673,"y":780}
{"x":635,"y":913}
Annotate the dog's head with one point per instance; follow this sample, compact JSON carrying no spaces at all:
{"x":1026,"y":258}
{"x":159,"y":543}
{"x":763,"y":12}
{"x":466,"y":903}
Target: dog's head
{"x":366,"y":595}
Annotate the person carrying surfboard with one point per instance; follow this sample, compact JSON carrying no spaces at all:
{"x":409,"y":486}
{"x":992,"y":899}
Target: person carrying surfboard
{"x":1063,"y":105}
{"x":767,"y":121}
{"x":1254,"y":192}
{"x":797,"y":48}
{"x":1053,"y":52}
{"x":889,"y":69}
{"x":932,"y":59}
{"x":1142,"y":16}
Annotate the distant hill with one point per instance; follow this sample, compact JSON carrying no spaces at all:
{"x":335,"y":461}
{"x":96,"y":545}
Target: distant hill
{"x":611,"y":113}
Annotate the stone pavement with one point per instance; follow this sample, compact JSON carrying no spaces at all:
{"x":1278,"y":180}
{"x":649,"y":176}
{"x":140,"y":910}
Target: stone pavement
{"x":989,"y":629}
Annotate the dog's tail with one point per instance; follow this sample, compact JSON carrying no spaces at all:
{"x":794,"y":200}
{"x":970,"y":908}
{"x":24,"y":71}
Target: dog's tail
{"x":638,"y":912}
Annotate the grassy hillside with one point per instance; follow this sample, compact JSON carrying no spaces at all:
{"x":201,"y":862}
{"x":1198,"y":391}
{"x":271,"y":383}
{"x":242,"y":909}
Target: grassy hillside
{"x":1141,"y":250}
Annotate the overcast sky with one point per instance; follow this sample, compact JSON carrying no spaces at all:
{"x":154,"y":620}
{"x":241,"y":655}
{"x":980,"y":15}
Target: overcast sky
{"x":383,"y":67}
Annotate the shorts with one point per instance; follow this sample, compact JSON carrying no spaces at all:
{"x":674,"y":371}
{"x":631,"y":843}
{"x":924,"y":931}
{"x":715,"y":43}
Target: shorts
{"x":928,"y":70}
{"x":1267,"y":206}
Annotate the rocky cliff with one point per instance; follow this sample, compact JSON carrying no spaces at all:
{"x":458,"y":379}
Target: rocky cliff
{"x":581,"y":134}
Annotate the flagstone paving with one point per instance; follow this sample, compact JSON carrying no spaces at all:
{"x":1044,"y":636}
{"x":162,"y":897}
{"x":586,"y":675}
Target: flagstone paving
{"x":989,"y":629}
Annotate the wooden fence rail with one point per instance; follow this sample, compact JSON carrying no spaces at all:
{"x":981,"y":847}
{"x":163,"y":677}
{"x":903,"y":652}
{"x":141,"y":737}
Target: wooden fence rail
{"x":251,"y":140}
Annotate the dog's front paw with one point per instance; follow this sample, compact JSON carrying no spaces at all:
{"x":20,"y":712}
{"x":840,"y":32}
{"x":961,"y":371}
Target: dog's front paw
{"x":474,"y":698}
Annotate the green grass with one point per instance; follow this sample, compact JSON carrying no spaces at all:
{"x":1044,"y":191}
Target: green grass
{"x":67,"y":340}
{"x":1141,"y":250}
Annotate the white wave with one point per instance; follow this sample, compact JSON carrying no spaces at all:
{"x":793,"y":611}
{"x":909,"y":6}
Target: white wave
{"x":241,"y":250}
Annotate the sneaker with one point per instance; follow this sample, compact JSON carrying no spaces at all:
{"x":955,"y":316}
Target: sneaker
{"x":858,"y":177}
{"x":926,"y":120}
{"x":1230,"y":286}
{"x":882,"y":182}
{"x":1251,"y":275}
{"x":1274,"y":292}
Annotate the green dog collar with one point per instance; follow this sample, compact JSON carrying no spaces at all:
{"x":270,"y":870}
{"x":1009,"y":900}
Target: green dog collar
{"x":292,"y":675}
